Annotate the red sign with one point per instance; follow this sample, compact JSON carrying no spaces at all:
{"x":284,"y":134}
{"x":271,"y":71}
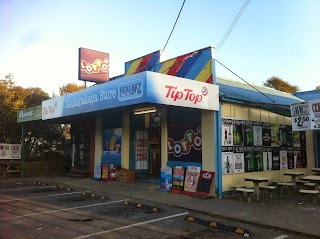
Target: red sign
{"x":93,"y":65}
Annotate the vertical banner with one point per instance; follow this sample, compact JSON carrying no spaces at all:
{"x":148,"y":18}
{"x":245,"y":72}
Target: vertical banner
{"x":266,"y":134}
{"x":267,"y":159}
{"x":191,"y":179}
{"x":248,"y":133}
{"x":237,"y":132}
{"x":258,"y":158}
{"x":227,"y":132}
{"x":283,"y":135}
{"x":249,"y":159}
{"x":275,"y":141}
{"x":296,"y":139}
{"x":166,"y":178}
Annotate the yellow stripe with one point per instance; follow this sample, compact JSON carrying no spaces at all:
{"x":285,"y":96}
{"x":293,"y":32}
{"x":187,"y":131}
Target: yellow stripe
{"x":132,"y":69}
{"x":166,"y":66}
{"x":205,"y":72}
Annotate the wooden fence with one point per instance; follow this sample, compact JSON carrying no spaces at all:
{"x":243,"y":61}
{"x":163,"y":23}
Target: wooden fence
{"x":43,"y":167}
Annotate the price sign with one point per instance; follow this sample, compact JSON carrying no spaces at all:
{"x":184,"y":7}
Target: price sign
{"x":300,"y":115}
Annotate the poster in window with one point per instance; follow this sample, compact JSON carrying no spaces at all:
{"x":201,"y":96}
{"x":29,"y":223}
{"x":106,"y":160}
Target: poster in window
{"x":275,"y":141}
{"x":248,"y":133}
{"x":227,"y":132}
{"x":267,"y":159}
{"x":227,"y":162}
{"x":290,"y":155}
{"x":266,"y":134}
{"x":257,"y":133}
{"x":249,"y":159}
{"x":112,"y":143}
{"x":275,"y":159}
{"x":237,"y":132}
{"x":258,"y":159}
{"x":283,"y":158}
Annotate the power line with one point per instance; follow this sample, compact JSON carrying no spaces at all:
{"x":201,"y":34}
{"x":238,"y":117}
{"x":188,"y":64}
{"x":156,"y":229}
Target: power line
{"x":232,"y":25}
{"x":170,"y":34}
{"x":245,"y":81}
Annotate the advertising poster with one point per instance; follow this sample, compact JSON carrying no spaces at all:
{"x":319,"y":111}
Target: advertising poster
{"x":238,"y":162}
{"x":302,"y":138}
{"x":206,"y":180}
{"x":178,"y":177}
{"x":112,"y":143}
{"x":314,"y":109}
{"x":227,"y":132}
{"x":227,"y":162}
{"x":266,"y":134}
{"x":275,"y":159}
{"x":267,"y":159}
{"x":290,"y":156}
{"x":166,"y":178}
{"x":191,"y":179}
{"x":289,"y":136}
{"x":275,"y":141}
{"x":283,"y":135}
{"x":297,"y":158}
{"x":283,"y":159}
{"x":10,"y":151}
{"x":303,"y":158}
{"x":257,"y":134}
{"x":296,"y":139}
{"x":185,"y":142}
{"x":155,"y":119}
{"x":237,"y":132}
{"x":249,"y":159}
{"x":248,"y":133}
{"x":258,"y":159}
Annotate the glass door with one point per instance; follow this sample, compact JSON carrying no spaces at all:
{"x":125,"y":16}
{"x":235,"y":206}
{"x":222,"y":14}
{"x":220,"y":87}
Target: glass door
{"x":141,"y":153}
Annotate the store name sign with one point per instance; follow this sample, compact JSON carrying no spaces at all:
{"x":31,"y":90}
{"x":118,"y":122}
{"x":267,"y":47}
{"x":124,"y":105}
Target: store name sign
{"x":184,"y":94}
{"x":30,"y":114}
{"x":305,"y":115}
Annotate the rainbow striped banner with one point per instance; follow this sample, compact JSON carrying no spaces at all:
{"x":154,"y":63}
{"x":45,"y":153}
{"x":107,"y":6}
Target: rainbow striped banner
{"x":196,"y":65}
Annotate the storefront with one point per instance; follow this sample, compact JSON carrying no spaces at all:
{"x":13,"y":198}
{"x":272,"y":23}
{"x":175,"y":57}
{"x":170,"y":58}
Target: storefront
{"x":176,"y":113}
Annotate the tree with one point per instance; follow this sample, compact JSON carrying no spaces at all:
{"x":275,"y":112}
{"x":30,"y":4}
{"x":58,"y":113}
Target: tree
{"x":317,"y":87}
{"x":279,"y":84}
{"x":70,"y":88}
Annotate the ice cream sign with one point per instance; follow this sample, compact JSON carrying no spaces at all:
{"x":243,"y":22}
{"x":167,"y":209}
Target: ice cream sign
{"x":169,"y":90}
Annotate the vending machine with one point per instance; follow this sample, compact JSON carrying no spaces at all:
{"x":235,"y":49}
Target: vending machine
{"x":141,"y":151}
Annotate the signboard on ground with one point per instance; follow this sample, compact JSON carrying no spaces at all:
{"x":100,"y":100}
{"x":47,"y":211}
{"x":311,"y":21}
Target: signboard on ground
{"x":10,"y":151}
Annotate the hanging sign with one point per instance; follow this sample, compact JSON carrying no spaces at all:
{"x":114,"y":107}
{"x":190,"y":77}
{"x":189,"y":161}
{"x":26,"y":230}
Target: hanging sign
{"x":300,"y":116}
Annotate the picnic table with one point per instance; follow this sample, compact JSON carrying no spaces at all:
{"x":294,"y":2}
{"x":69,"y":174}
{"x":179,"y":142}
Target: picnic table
{"x":294,"y":175}
{"x":316,"y":171}
{"x":256,"y":181}
{"x":315,"y":179}
{"x":10,"y":167}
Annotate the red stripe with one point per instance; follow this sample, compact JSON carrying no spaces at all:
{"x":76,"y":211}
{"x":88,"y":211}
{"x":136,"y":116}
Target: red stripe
{"x":178,"y":64}
{"x":143,"y":63}
{"x":210,"y":80}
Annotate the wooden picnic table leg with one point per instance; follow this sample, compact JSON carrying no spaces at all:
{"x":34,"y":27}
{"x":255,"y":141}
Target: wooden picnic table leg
{"x":256,"y":189}
{"x":294,"y":182}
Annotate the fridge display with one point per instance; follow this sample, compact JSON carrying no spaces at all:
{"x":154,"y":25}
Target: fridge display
{"x":141,"y":150}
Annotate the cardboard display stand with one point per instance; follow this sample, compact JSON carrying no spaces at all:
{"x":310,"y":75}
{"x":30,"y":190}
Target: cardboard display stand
{"x":178,"y":177}
{"x":191,"y":179}
{"x":205,"y":183}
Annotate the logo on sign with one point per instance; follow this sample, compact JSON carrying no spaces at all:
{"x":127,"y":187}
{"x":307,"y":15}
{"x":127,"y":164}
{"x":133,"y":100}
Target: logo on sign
{"x":96,"y":66}
{"x":206,"y":175}
{"x":185,"y":94}
{"x":130,"y":90}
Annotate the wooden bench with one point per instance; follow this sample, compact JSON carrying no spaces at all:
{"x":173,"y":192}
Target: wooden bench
{"x":287,"y":185}
{"x":268,"y":188}
{"x":300,"y":183}
{"x":10,"y":167}
{"x":238,"y":186}
{"x":314,"y":194}
{"x":309,"y":185}
{"x":245,"y":192}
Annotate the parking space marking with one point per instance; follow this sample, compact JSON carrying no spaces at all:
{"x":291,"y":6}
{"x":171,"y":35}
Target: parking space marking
{"x":52,"y":195}
{"x":59,"y":210}
{"x":132,"y":225}
{"x":17,"y":189}
{"x":281,"y":237}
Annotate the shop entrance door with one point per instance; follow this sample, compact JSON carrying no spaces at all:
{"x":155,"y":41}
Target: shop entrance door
{"x":80,"y":151}
{"x":140,"y":151}
{"x":155,"y":150}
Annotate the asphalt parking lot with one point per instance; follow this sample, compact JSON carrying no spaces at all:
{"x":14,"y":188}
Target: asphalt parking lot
{"x":36,"y":210}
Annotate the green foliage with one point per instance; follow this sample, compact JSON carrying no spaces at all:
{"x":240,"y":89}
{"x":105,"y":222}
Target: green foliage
{"x":70,"y":88}
{"x":279,"y":84}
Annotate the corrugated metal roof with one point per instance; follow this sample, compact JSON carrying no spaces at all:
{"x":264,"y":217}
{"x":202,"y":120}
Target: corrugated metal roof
{"x":242,"y":92}
{"x":308,"y":95}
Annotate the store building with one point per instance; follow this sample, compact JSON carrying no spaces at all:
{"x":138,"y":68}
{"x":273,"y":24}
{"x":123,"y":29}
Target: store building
{"x":164,"y":114}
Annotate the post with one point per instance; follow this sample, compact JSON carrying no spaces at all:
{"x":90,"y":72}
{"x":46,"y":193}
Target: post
{"x":22,"y":151}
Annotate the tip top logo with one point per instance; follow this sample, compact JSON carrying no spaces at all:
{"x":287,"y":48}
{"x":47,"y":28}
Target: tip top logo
{"x":186,"y":94}
{"x":95,"y":67}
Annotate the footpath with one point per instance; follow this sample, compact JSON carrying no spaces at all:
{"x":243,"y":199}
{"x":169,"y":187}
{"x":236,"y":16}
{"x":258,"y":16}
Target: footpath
{"x":299,"y":221}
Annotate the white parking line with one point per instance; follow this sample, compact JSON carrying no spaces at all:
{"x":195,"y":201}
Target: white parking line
{"x":52,"y":195}
{"x":59,"y":210}
{"x":132,"y":225}
{"x":281,"y":237}
{"x":17,"y":189}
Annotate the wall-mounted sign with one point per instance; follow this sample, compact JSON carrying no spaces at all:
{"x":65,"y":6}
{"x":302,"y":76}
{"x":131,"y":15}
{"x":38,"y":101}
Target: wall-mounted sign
{"x":30,"y":114}
{"x":93,"y":65}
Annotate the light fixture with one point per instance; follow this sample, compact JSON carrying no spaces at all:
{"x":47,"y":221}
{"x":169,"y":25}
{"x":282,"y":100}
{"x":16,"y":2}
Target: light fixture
{"x":144,"y":111}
